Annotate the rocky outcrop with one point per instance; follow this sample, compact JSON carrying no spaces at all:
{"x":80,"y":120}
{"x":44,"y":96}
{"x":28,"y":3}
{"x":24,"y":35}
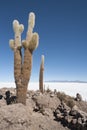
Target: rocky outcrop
{"x":42,"y":112}
{"x":74,"y":119}
{"x":20,"y":117}
{"x":14,"y":117}
{"x":45,"y":101}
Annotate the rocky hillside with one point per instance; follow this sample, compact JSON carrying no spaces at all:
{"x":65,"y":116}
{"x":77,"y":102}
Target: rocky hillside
{"x":48,"y":111}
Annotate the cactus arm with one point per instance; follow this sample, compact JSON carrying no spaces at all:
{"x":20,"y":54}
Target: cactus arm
{"x":17,"y":65}
{"x":29,"y":45}
{"x":16,"y":47}
{"x":18,"y":29}
{"x":34,"y":42}
{"x":32,"y":39}
{"x":27,"y":65}
{"x":11,"y":44}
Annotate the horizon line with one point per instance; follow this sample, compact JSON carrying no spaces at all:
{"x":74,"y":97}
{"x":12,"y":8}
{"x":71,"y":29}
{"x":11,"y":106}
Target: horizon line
{"x":67,"y":81}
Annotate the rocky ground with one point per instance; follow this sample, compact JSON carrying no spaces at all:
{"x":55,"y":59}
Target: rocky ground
{"x":48,"y":111}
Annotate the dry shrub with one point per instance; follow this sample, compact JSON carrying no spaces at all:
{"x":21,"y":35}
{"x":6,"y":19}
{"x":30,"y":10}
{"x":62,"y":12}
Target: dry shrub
{"x":70,"y":103}
{"x":48,"y":90}
{"x":66,"y":99}
{"x":61,"y":96}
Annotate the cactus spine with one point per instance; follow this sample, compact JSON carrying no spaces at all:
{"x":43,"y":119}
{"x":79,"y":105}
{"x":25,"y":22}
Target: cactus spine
{"x":22,"y":69}
{"x":41,"y":75}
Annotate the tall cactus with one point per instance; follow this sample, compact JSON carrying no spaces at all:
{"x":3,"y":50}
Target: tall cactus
{"x":41,"y":75}
{"x":22,"y":67}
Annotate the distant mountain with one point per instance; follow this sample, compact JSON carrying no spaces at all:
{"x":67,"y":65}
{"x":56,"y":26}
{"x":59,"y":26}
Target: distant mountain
{"x":75,"y":81}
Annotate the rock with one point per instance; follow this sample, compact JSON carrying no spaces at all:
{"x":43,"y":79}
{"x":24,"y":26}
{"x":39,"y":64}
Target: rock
{"x":74,"y":119}
{"x":52,"y":95}
{"x":73,"y":112}
{"x":14,"y":117}
{"x":75,"y":107}
{"x":48,"y":112}
{"x":80,"y":120}
{"x":78,"y":97}
{"x":2,"y":103}
{"x":45,"y":101}
{"x":68,"y":119}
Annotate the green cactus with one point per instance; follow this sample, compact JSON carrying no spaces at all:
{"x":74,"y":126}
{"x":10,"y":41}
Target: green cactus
{"x":41,"y":75}
{"x":22,"y":68}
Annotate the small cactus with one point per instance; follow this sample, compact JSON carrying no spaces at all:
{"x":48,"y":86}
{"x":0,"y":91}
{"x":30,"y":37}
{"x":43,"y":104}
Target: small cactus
{"x":41,"y":75}
{"x":22,"y":68}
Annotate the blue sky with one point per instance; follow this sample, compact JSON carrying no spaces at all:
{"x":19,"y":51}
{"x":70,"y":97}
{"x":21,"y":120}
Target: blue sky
{"x":62,"y":28}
